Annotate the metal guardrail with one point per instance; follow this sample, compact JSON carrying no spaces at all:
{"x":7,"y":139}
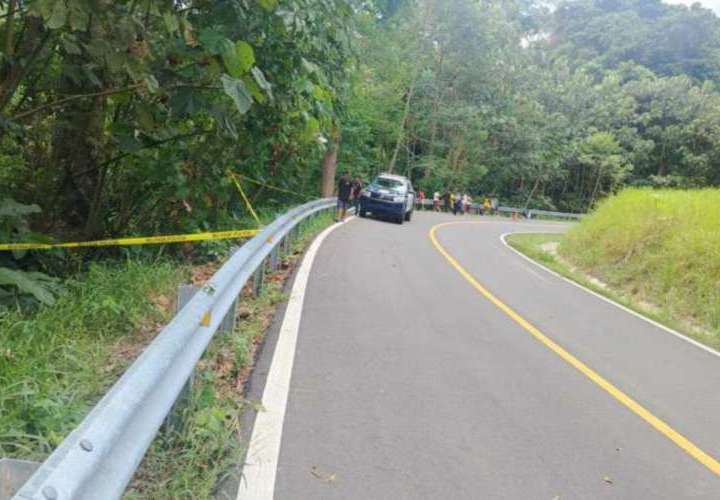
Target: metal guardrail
{"x":99,"y":458}
{"x":531,"y":213}
{"x":549,"y":213}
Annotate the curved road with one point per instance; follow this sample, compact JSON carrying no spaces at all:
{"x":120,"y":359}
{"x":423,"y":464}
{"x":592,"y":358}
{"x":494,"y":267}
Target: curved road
{"x":408,"y":383}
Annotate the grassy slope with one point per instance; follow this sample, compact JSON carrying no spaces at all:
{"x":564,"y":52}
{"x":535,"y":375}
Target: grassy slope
{"x":659,"y":252}
{"x":56,"y":363}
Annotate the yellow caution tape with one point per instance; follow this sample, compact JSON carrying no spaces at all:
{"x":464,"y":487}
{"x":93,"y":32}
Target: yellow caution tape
{"x":147,"y":240}
{"x":245,"y":198}
{"x":156,"y":240}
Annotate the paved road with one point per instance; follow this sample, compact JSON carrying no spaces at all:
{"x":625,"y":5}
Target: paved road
{"x":408,"y":383}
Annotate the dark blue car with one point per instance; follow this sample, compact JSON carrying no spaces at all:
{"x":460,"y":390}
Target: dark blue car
{"x":390,"y":196}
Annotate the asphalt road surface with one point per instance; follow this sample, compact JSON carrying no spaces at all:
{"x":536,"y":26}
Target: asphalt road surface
{"x":408,"y":383}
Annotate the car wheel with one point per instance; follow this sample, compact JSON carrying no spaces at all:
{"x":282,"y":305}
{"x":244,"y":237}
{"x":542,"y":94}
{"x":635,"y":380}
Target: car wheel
{"x":408,"y":216}
{"x":400,"y":219}
{"x":362,"y":213}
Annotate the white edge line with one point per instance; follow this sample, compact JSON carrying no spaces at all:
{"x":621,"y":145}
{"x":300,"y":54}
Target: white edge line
{"x":260,"y":468}
{"x":669,"y":330}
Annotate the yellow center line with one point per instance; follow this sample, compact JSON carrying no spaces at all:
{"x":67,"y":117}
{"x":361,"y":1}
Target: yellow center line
{"x":663,"y":428}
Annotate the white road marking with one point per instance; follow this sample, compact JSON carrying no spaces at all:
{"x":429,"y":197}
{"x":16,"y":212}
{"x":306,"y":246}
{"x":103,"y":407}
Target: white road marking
{"x":669,"y":330}
{"x":260,"y":469}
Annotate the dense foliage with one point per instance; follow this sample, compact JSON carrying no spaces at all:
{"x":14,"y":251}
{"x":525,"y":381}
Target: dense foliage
{"x":548,"y":108}
{"x":123,"y":117}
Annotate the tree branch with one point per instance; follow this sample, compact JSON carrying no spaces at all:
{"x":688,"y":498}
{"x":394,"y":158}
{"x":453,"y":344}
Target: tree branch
{"x":30,"y":112}
{"x":64,"y":100}
{"x":9,"y":26}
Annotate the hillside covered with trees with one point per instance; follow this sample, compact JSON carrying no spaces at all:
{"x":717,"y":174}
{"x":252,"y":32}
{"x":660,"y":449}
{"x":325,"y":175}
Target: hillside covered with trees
{"x":123,"y":117}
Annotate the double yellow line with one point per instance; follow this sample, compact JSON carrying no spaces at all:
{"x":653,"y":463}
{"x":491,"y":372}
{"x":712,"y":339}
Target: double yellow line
{"x":659,"y":425}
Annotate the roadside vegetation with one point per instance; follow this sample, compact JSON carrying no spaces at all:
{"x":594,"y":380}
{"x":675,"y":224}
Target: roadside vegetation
{"x":657,"y":251}
{"x":57,"y":361}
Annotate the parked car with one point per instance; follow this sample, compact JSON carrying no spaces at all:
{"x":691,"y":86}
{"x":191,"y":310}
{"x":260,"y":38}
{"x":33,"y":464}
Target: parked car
{"x":389,"y":196}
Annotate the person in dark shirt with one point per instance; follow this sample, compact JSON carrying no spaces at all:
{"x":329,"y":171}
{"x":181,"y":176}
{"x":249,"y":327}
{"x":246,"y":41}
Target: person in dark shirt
{"x":344,"y":194}
{"x":357,"y":185}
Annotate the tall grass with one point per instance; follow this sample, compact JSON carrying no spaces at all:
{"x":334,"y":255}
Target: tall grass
{"x":55,"y":363}
{"x":660,"y":246}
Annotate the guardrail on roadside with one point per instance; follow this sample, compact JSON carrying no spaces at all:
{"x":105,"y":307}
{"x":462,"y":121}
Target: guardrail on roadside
{"x":531,"y":213}
{"x":99,"y":458}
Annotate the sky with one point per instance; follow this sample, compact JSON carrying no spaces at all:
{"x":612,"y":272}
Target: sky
{"x":710,"y":4}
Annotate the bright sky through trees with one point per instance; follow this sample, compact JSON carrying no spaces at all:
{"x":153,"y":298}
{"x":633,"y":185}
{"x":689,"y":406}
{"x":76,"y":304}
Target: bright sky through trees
{"x":710,"y":4}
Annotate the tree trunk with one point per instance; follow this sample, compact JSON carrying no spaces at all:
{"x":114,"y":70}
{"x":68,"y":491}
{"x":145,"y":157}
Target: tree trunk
{"x":329,"y":168}
{"x":403,"y":125}
{"x":33,"y":39}
{"x":532,"y":193}
{"x":78,"y":148}
{"x":596,"y":189}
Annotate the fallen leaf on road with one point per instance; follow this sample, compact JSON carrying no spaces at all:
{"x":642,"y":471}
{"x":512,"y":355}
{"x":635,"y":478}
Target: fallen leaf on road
{"x":608,"y":480}
{"x":327,"y":478}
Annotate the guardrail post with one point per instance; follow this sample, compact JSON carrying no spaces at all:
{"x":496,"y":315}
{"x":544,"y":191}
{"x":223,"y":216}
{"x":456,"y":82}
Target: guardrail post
{"x":286,"y":245}
{"x":228,"y":322}
{"x":274,"y":259}
{"x":174,"y":418}
{"x":258,"y":278}
{"x":13,"y":475}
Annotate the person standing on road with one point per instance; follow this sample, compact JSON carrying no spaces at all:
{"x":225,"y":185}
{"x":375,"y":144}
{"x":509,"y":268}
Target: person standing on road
{"x":436,"y":201}
{"x":487,"y":206}
{"x":457,"y":204}
{"x":344,"y":190}
{"x":421,"y":198}
{"x":357,"y":186}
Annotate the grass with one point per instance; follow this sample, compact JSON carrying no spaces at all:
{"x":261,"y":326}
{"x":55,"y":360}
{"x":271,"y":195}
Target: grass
{"x":56,"y":362}
{"x":657,"y":252}
{"x":189,"y":461}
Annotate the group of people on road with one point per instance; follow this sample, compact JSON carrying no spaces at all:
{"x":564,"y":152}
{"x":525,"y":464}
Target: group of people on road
{"x":462,"y":203}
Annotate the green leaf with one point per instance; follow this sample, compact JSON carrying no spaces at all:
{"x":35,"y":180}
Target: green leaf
{"x":261,"y":81}
{"x":254,"y":89}
{"x":238,"y":92}
{"x":58,"y":16}
{"x":11,"y":208}
{"x":35,"y":284}
{"x":78,"y":17}
{"x":246,"y":54}
{"x":268,"y":5}
{"x":151,"y":84}
{"x":213,"y":41}
{"x":309,"y":66}
{"x":171,"y":22}
{"x":231,"y":60}
{"x":70,"y":45}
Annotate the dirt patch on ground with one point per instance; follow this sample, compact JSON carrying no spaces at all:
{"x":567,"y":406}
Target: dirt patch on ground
{"x":550,"y":247}
{"x":199,"y":275}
